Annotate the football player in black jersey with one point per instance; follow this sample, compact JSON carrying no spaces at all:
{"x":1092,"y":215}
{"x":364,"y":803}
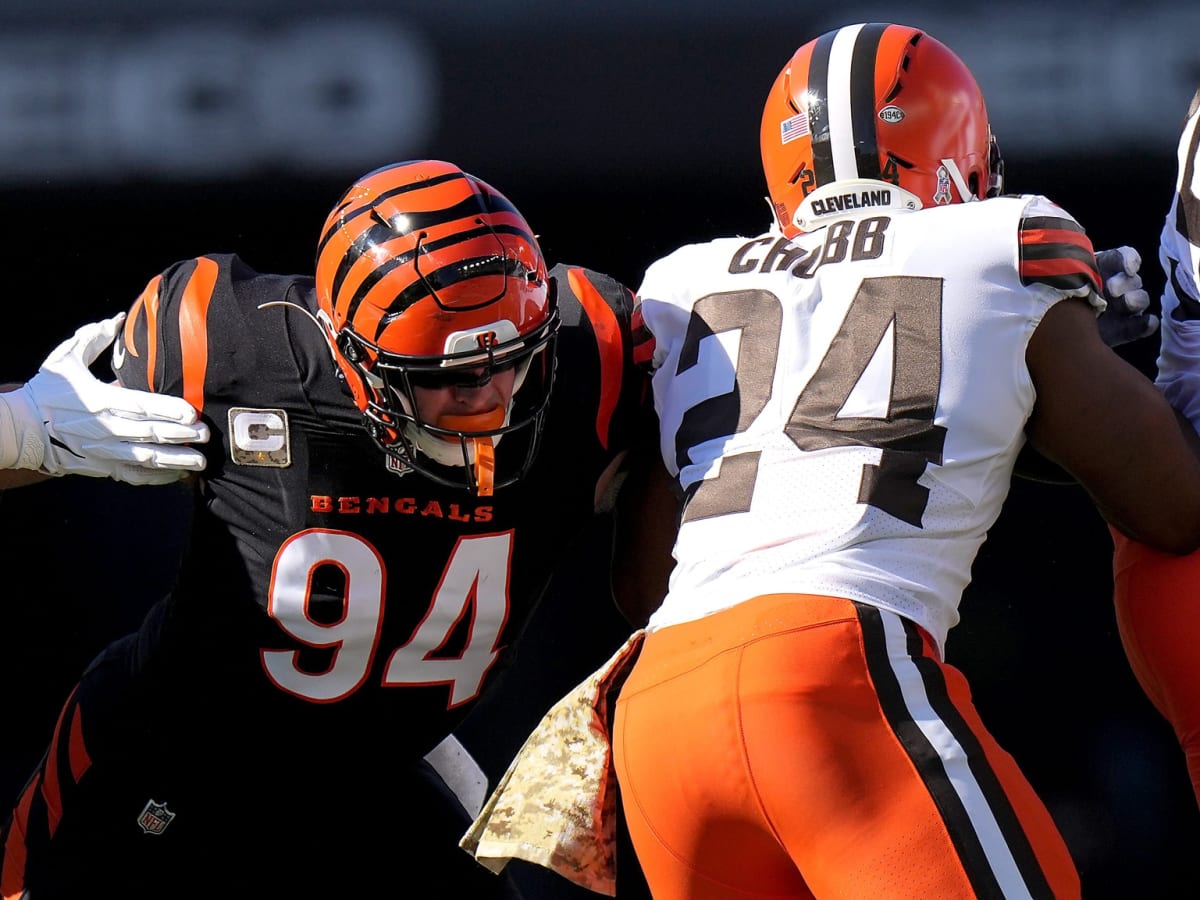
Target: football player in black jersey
{"x":402,"y":448}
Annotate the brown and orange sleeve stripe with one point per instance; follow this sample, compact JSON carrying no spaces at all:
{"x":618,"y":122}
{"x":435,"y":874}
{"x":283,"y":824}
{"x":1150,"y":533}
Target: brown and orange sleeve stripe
{"x":1057,"y":252}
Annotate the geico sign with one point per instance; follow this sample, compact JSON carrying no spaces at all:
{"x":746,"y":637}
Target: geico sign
{"x":213,"y":100}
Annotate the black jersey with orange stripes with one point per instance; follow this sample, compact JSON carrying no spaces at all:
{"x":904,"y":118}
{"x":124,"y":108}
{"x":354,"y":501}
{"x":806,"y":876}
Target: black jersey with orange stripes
{"x":325,"y":595}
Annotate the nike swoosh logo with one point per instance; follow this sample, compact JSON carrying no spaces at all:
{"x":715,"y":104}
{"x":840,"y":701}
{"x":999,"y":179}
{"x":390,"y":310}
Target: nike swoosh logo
{"x":57,"y":443}
{"x":118,"y":354}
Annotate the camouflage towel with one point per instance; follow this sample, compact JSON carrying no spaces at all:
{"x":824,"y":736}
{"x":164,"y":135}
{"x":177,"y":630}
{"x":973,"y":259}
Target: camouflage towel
{"x":556,"y":805}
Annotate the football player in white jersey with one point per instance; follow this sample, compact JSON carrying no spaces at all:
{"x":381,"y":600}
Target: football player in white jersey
{"x":1156,"y":593}
{"x":842,"y":400}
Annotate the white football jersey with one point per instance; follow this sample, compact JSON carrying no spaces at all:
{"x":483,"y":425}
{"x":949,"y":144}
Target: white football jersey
{"x":1179,"y":353}
{"x":844,"y":409}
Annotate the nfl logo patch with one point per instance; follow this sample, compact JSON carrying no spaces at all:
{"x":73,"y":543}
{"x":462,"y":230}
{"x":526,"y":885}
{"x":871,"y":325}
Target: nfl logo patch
{"x":155,"y":817}
{"x":395,"y":466}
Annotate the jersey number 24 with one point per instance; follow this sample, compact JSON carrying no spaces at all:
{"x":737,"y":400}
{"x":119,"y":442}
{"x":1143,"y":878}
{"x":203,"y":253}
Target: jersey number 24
{"x":906,"y":307}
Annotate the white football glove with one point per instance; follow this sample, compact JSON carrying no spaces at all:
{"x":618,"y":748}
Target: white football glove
{"x":1125,"y":318}
{"x":66,"y":421}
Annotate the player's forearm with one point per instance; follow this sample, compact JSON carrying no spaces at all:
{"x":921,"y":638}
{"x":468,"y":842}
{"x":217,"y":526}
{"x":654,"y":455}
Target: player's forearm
{"x":647,"y":520}
{"x":10,"y":477}
{"x":15,"y":478}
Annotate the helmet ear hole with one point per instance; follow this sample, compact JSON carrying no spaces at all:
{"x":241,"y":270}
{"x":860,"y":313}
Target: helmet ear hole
{"x":973,"y":183}
{"x":348,"y":347}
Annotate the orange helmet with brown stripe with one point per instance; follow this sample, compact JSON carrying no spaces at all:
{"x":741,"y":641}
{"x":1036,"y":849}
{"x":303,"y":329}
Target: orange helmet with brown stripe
{"x":428,"y":275}
{"x":875,"y":104}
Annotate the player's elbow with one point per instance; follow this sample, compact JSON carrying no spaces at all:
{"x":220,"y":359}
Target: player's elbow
{"x":1181,"y":540}
{"x":1174,"y":531}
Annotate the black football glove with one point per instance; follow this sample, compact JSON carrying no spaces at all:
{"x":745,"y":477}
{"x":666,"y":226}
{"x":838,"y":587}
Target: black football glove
{"x":1125,"y":318}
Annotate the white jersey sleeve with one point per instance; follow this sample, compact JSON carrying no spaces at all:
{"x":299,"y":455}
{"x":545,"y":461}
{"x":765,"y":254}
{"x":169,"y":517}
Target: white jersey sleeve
{"x":1179,"y":253}
{"x":843,"y":410}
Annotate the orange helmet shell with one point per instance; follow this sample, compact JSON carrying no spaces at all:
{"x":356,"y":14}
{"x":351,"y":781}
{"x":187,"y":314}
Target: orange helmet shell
{"x":876,"y":101}
{"x":417,"y":252}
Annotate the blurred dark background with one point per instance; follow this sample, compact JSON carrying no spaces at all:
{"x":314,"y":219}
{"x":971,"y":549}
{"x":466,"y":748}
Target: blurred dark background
{"x":133,"y":134}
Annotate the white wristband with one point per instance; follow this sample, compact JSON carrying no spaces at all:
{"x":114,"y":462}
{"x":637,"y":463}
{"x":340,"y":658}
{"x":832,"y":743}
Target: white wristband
{"x":9,"y":448}
{"x":21,"y":444}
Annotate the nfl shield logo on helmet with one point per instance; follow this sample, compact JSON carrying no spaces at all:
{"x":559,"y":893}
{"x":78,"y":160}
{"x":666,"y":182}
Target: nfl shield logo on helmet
{"x":155,"y":817}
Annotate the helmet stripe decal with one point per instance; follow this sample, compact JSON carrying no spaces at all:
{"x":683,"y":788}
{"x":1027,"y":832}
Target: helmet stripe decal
{"x":817,"y":96}
{"x":368,"y":205}
{"x":439,"y":279}
{"x":850,"y":90}
{"x":862,"y":99}
{"x":420,"y":185}
{"x":417,"y":290}
{"x":497,"y":203}
{"x":837,"y":90}
{"x":372,"y":238}
{"x":378,"y":233}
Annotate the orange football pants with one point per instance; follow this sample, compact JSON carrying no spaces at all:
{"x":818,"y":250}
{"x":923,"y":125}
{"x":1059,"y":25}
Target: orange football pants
{"x":805,"y":746}
{"x":1157,"y":599}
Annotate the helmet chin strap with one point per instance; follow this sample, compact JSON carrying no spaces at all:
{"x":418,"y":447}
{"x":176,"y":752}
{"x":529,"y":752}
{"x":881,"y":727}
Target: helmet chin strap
{"x":485,"y":466}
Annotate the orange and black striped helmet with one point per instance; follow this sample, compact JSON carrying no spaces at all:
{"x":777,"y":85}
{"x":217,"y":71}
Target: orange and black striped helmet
{"x":879,"y":103}
{"x":427,"y":275}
